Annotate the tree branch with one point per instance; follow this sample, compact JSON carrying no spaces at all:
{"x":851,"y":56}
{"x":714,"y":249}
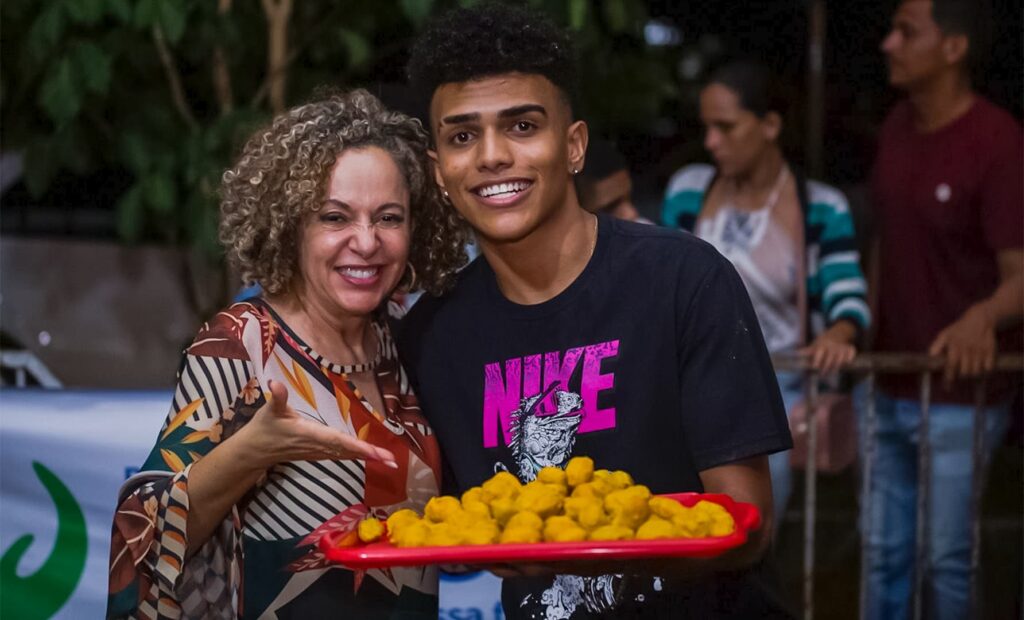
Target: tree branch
{"x":173,"y":79}
{"x":221,"y":74}
{"x":278,"y":14}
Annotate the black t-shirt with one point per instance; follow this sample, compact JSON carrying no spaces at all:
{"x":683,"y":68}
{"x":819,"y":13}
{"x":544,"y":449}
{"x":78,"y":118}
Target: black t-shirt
{"x":651,"y":361}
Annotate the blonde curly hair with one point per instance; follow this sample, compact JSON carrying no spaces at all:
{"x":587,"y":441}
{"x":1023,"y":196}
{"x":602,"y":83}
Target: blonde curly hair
{"x":283,"y":172}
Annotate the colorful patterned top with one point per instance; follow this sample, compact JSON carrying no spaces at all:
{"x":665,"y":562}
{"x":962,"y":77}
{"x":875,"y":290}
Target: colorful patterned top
{"x":262,"y":561}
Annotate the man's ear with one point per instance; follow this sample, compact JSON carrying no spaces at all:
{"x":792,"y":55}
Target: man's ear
{"x":772,"y":126}
{"x":955,"y":48}
{"x":437,"y":168}
{"x":578,"y":135}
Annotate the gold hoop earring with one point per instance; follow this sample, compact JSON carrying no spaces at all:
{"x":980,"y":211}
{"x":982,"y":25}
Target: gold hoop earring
{"x":411,"y":271}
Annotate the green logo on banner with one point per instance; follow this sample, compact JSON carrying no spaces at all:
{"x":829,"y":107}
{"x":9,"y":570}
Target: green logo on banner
{"x":41,"y":594}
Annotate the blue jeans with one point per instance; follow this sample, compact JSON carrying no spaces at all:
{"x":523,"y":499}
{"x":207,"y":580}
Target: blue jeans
{"x":791,"y":385}
{"x":893,"y":518}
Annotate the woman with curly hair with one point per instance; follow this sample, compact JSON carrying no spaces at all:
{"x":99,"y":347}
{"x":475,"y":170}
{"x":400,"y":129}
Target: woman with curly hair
{"x":292,"y":416}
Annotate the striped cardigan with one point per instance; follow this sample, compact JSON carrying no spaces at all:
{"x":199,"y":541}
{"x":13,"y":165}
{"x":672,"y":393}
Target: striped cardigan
{"x":836,"y":288}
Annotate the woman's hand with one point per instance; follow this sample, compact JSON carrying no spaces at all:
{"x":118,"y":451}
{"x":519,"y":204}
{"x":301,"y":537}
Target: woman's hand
{"x":277,"y":434}
{"x":832,"y":349}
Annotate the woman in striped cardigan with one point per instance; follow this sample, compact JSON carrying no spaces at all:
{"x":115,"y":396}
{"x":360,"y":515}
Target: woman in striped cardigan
{"x":791,"y":239}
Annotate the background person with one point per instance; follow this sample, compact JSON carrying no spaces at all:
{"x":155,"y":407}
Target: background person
{"x":949,"y":206}
{"x":790,"y":238}
{"x":329,"y":209}
{"x":605,"y":185}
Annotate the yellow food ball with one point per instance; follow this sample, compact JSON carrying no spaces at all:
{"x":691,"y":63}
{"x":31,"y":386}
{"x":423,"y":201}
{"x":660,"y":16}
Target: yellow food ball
{"x":551,"y":475}
{"x":481,"y":533}
{"x":655,"y":528}
{"x":611,"y":532}
{"x":444,"y":535}
{"x":474,"y":494}
{"x":578,"y":470}
{"x":597,"y":487}
{"x":502,"y":508}
{"x":665,"y":508}
{"x":477,"y":509}
{"x":723,"y":525}
{"x":519,"y":535}
{"x":400,"y":517}
{"x":543,"y":499}
{"x":587,"y":511}
{"x":627,"y":508}
{"x":370,"y":529}
{"x":561,"y":528}
{"x":501,"y":484}
{"x":439,"y":508}
{"x":525,"y":519}
{"x":621,"y":479}
{"x":692,"y":523}
{"x":410,"y":534}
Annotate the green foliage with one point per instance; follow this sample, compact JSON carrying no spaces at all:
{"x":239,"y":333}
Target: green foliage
{"x":86,"y":88}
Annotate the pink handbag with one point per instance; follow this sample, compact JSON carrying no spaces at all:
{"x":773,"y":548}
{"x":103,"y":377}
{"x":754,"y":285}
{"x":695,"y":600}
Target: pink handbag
{"x":837,"y":433}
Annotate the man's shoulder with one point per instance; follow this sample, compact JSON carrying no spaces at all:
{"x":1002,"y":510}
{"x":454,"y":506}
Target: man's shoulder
{"x":642,"y":248}
{"x":996,"y":117}
{"x":428,"y":308}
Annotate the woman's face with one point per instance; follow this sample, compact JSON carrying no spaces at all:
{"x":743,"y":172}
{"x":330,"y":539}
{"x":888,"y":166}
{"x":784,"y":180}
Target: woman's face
{"x":735,"y":137}
{"x":354,"y":248}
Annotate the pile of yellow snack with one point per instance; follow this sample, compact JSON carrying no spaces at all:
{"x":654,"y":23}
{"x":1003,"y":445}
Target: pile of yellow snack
{"x":574,"y":504}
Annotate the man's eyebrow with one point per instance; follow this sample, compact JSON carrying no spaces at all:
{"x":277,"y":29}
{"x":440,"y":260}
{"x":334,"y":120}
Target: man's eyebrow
{"x":458,"y":119}
{"x":522,"y":109}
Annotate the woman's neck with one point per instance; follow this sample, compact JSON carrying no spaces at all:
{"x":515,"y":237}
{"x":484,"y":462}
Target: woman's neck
{"x":343,"y":340}
{"x":762,"y":177}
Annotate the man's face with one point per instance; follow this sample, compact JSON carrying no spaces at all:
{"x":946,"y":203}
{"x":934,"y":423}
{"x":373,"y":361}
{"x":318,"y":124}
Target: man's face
{"x":914,"y":45}
{"x":506,"y":148}
{"x":613,"y":195}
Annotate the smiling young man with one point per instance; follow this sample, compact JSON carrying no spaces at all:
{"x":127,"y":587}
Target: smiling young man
{"x":576,"y":334}
{"x":949,"y":207}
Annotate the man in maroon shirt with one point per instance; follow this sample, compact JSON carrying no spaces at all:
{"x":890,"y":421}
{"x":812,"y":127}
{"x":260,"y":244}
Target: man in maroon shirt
{"x":947,"y":194}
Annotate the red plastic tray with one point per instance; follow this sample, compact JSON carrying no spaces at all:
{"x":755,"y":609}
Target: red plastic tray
{"x":384,"y":554}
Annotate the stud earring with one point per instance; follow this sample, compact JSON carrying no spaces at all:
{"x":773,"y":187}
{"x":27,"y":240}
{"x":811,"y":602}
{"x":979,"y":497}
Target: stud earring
{"x":575,"y":171}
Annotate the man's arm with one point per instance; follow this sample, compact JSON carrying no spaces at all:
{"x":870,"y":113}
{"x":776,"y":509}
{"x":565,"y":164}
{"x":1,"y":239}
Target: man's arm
{"x":969,"y":344}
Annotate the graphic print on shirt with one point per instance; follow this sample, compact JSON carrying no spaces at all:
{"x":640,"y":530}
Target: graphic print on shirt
{"x":541,"y":432}
{"x":543,"y":440}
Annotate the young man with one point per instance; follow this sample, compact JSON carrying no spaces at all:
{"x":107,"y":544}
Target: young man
{"x":948,"y":202}
{"x":539,"y":353}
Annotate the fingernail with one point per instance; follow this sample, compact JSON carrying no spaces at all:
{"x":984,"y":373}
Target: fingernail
{"x":391,"y":464}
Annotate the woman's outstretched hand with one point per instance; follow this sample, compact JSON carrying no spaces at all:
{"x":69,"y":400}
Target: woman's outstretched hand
{"x":277,"y":433}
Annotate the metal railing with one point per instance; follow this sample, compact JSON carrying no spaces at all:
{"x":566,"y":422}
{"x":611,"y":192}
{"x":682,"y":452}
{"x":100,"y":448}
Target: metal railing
{"x":25,"y":365}
{"x":892,"y":363}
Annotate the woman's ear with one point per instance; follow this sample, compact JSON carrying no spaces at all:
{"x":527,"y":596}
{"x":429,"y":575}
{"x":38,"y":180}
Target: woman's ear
{"x":772,"y":126}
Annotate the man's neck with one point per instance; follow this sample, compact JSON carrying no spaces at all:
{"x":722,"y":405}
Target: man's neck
{"x":538,"y":267}
{"x":940,"y":101}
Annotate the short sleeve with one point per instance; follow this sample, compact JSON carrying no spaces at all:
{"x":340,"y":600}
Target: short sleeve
{"x":1002,"y":194}
{"x":730,"y":399}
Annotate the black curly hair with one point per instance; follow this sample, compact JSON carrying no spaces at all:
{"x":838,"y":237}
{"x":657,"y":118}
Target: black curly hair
{"x":487,"y":40}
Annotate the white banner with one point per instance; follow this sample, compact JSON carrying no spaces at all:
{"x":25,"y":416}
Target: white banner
{"x":64,"y":456}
